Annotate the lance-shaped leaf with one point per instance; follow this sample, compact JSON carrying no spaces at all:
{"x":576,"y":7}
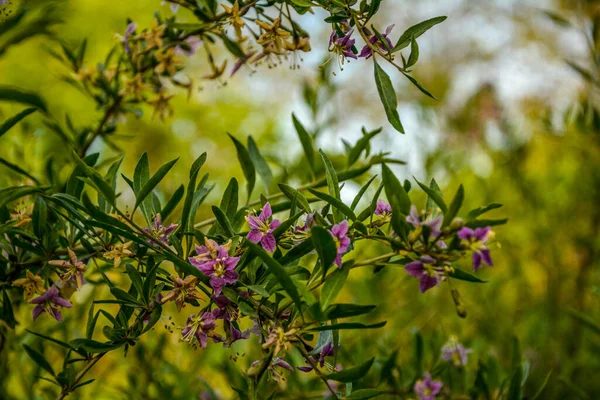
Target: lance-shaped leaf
{"x":353,"y":374}
{"x":387,"y":96}
{"x":347,"y":310}
{"x":229,"y":201}
{"x":246,"y":163}
{"x":191,"y":188}
{"x":39,"y":359}
{"x":338,"y":204}
{"x":455,"y":206}
{"x":414,"y":53}
{"x":92,"y":346}
{"x":260,"y":163}
{"x":306,"y":141}
{"x":464,"y":276}
{"x":223,"y":221}
{"x":9,"y":93}
{"x":415,"y":31}
{"x":295,"y":195}
{"x":333,"y":285}
{"x":149,"y":185}
{"x":482,"y":210}
{"x":172,"y":203}
{"x":394,"y":191}
{"x":361,"y":145}
{"x":279,"y":272}
{"x":418,"y":85}
{"x":348,"y":325}
{"x":434,"y":195}
{"x":39,"y":217}
{"x":9,"y":123}
{"x":325,"y":246}
{"x":364,"y":394}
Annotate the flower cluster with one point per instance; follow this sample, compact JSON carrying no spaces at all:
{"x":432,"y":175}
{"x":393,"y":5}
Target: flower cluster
{"x":214,"y":261}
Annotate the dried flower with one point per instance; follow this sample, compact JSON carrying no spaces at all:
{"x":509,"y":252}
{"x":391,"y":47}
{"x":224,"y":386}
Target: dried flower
{"x":74,"y":269}
{"x":31,"y":284}
{"x":118,"y":252}
{"x":183,"y":289}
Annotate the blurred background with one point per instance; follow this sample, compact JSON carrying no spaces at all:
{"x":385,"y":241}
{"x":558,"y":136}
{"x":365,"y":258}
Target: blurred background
{"x":516,"y":123}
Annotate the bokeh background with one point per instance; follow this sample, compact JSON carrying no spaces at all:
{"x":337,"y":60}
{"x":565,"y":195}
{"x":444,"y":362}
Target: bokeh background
{"x":515,"y":123}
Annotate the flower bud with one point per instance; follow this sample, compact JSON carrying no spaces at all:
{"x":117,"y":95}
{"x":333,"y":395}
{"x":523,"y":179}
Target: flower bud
{"x":457,"y":223}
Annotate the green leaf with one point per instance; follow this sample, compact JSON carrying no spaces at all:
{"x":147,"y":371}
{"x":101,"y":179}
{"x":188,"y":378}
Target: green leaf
{"x":279,"y":272}
{"x":325,"y":246}
{"x":394,"y":191}
{"x":348,"y":325}
{"x":50,"y":339}
{"x":336,"y":311}
{"x":455,"y":206}
{"x":338,"y":204}
{"x":415,"y":31}
{"x":18,"y":170}
{"x":353,"y":374}
{"x":418,"y":85}
{"x":6,"y":312}
{"x":482,"y":210}
{"x":246,"y":163}
{"x":464,"y":276}
{"x":141,"y":175}
{"x":360,"y":146}
{"x":387,"y":96}
{"x":361,"y":193}
{"x":92,"y":346}
{"x":585,"y":320}
{"x":333,"y":285}
{"x":293,"y":194}
{"x":223,"y":221}
{"x":430,"y":206}
{"x":124,"y":297}
{"x":333,"y":183}
{"x":39,"y":217}
{"x":9,"y":93}
{"x":39,"y":359}
{"x":434,"y":195}
{"x":172,"y":203}
{"x":414,"y":53}
{"x":363,"y":394}
{"x":260,"y":163}
{"x":307,"y":143}
{"x":9,"y":123}
{"x":260,"y":290}
{"x":541,"y":389}
{"x":191,"y":188}
{"x":229,"y":201}
{"x":514,"y":390}
{"x":149,"y":185}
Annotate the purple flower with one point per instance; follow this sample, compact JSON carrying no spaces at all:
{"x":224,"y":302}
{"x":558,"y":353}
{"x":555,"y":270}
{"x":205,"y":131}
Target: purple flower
{"x":274,"y":372}
{"x":456,"y":353}
{"x":158,"y":231}
{"x":367,"y":52}
{"x":261,"y":228}
{"x":199,"y":328}
{"x":342,"y":241}
{"x":174,"y":6}
{"x":326,"y":351}
{"x":476,"y":240}
{"x":236,"y":335}
{"x":128,"y":32}
{"x":427,"y":388}
{"x":208,"y":252}
{"x":50,"y":302}
{"x":226,"y":309}
{"x":383,"y":209}
{"x":220,"y":269}
{"x":189,"y":46}
{"x":342,"y":45}
{"x":425,"y":271}
{"x":434,"y":224}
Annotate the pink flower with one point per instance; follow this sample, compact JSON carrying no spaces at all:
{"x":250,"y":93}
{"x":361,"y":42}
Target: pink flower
{"x":262,"y":227}
{"x":342,"y":241}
